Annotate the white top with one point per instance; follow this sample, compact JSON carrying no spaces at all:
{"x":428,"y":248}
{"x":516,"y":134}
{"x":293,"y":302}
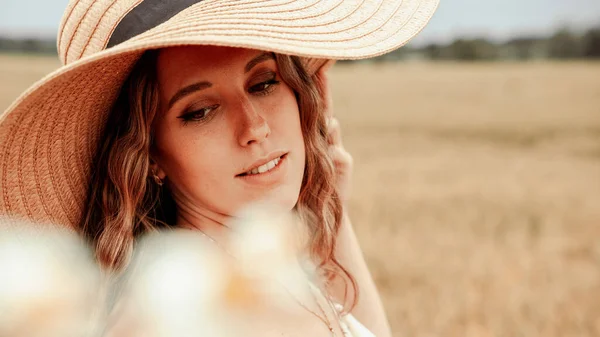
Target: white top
{"x":352,"y":327}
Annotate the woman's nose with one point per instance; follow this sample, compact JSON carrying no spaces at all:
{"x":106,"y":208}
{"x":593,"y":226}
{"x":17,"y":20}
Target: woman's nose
{"x":253,"y":127}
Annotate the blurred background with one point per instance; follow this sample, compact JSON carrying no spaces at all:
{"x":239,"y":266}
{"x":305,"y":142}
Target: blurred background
{"x":476,"y":193}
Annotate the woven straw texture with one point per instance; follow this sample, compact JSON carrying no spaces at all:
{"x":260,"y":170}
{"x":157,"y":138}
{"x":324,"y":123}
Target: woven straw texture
{"x":49,"y":134}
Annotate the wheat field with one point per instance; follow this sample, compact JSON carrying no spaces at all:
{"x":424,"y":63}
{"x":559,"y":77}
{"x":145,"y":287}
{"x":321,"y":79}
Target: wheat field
{"x":476,"y":191}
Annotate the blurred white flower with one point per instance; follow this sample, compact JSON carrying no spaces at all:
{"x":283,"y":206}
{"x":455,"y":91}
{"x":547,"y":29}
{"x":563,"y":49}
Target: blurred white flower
{"x":184,"y":283}
{"x":270,"y":246}
{"x":176,"y":286}
{"x":48,"y":284}
{"x":179,"y":283}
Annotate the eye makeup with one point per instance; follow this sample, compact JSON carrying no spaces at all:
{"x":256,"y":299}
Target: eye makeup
{"x":198,"y":115}
{"x":266,"y":83}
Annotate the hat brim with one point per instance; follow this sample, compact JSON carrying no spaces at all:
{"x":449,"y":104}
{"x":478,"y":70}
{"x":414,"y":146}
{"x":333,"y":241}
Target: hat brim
{"x":49,"y":135}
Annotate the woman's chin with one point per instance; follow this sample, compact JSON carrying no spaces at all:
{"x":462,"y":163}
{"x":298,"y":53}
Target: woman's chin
{"x":276,"y":202}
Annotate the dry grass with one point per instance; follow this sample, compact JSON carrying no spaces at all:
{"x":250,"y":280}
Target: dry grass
{"x":477,"y":194}
{"x":476,"y":191}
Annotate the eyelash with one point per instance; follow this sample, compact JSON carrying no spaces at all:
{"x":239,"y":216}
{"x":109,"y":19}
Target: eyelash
{"x":269,"y":89}
{"x":192,"y":116}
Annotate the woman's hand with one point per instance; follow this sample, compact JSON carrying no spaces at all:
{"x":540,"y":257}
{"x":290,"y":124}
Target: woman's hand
{"x":341,"y":158}
{"x":369,"y":309}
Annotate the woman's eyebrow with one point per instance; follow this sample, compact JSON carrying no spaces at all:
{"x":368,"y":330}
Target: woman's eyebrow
{"x":181,"y":93}
{"x":260,"y":58}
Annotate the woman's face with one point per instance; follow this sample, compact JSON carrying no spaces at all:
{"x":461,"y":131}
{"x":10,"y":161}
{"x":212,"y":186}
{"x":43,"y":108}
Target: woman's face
{"x":228,"y":131}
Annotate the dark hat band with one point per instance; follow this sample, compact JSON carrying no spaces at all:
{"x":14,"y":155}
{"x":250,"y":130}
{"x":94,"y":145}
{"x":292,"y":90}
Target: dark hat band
{"x":145,"y":16}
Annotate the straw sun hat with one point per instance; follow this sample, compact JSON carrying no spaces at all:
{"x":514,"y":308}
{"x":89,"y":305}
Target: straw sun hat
{"x":49,"y":135}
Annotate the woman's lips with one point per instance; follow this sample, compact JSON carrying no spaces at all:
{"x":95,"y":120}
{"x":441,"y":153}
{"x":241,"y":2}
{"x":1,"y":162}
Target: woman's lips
{"x":260,"y":163}
{"x":274,"y":175}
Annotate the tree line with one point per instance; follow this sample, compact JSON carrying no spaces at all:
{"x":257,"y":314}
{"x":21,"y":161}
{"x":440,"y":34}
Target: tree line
{"x":28,"y":46}
{"x":563,"y":44}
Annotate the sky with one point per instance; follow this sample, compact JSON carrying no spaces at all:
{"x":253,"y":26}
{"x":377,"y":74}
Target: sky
{"x":497,"y":19}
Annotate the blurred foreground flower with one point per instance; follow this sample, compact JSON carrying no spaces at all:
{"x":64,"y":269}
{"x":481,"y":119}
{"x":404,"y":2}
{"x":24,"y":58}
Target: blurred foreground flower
{"x":48,"y":284}
{"x":173,"y":288}
{"x":184,"y":283}
{"x":179,"y":283}
{"x":270,"y":246}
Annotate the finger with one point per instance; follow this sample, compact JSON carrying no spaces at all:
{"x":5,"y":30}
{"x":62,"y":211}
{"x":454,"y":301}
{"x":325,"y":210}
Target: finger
{"x":340,"y":156}
{"x":342,"y":163}
{"x":334,"y":131}
{"x":336,"y":158}
{"x":323,"y":82}
{"x":313,"y":65}
{"x":327,"y":65}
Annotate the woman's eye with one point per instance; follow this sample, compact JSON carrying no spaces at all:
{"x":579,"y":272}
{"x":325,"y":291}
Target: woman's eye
{"x":264,"y":88}
{"x":197,"y":115}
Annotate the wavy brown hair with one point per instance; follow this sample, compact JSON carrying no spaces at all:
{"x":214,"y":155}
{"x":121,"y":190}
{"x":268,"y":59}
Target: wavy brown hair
{"x":125,"y":203}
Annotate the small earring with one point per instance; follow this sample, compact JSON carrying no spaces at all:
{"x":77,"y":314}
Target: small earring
{"x":157,"y":179}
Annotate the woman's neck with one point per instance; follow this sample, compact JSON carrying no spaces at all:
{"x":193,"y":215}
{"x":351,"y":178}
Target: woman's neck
{"x":195,"y":216}
{"x":227,"y":229}
{"x":214,"y":226}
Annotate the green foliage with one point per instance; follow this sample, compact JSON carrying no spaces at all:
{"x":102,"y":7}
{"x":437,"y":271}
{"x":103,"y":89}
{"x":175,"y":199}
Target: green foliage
{"x":472,"y":50}
{"x":524,"y":48}
{"x":29,"y":45}
{"x":564,"y":44}
{"x":591,"y":42}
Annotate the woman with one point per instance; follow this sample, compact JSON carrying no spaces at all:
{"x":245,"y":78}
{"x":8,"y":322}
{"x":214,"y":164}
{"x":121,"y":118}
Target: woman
{"x":181,"y":113}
